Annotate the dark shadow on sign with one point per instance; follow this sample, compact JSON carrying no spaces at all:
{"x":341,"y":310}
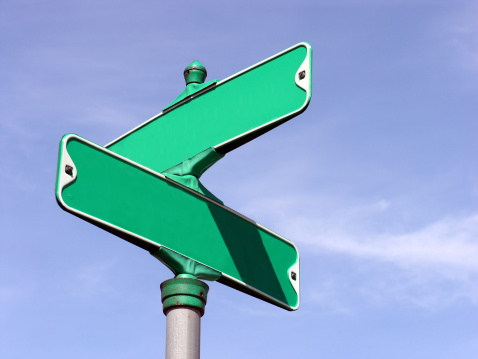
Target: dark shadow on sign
{"x":247,"y":250}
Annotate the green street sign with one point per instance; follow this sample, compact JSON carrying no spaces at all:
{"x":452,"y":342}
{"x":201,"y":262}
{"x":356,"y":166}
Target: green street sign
{"x":223,"y":115}
{"x":189,"y":232}
{"x":144,"y":186}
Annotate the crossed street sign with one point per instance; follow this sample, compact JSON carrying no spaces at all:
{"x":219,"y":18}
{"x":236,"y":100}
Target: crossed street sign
{"x":144,"y":186}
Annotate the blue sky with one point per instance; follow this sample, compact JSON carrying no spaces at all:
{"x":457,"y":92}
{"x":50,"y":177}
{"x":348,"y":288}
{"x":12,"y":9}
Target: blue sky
{"x":376,"y":182}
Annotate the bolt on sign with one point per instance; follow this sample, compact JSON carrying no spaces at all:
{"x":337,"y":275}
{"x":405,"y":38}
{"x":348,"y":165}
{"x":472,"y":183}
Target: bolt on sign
{"x":144,"y":186}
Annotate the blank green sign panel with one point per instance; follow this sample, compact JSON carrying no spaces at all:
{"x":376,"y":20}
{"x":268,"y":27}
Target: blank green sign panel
{"x":151,"y":211}
{"x":226,"y":114}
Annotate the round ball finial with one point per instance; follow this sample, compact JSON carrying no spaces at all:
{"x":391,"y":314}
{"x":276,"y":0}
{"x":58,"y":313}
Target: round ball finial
{"x":195,"y":73}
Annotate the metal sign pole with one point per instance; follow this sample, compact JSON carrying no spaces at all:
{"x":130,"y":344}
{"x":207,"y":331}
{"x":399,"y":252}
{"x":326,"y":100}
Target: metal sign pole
{"x":184,"y":299}
{"x":163,"y":207}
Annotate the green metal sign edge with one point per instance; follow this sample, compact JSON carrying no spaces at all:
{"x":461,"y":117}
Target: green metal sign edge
{"x":64,"y":179}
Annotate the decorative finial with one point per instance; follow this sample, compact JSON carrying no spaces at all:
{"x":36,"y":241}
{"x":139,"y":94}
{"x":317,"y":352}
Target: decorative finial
{"x":195,"y":73}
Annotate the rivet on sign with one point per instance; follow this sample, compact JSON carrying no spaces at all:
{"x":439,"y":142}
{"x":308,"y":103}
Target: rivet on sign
{"x":293,"y":275}
{"x":301,"y":75}
{"x":69,"y":170}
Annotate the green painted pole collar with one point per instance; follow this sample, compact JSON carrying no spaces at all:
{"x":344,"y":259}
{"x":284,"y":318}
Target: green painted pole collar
{"x":184,"y":291}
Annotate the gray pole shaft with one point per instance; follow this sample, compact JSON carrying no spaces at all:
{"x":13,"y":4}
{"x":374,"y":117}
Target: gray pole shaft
{"x":183,"y":332}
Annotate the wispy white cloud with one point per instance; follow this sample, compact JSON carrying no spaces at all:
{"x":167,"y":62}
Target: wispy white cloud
{"x":447,"y":242}
{"x":429,"y":267}
{"x":448,"y":246}
{"x":463,"y":35}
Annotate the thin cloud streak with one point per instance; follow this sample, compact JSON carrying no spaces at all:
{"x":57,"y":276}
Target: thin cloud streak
{"x":429,"y":268}
{"x":449,"y":242}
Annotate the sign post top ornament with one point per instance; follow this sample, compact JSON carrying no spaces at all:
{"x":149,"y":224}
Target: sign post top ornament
{"x":144,"y":186}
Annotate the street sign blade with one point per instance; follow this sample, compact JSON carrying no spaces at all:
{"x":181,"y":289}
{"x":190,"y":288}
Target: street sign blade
{"x":152,"y":211}
{"x":224,"y":115}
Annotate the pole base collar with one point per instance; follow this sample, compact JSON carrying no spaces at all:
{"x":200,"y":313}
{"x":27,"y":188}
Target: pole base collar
{"x":187,"y":292}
